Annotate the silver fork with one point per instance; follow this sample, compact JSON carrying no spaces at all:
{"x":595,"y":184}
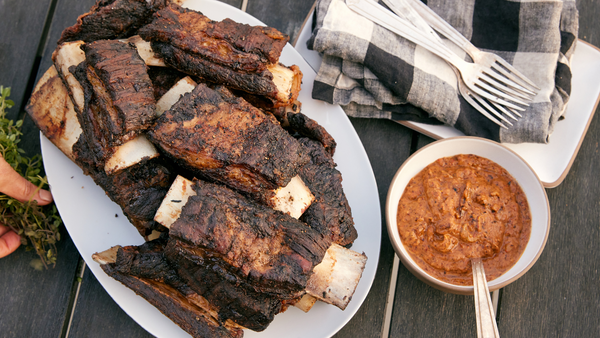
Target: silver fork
{"x":404,"y":10}
{"x":485,"y":58}
{"x":482,"y":105}
{"x":481,"y":80}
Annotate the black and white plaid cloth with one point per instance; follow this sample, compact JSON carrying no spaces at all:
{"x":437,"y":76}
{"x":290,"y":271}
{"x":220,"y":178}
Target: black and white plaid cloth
{"x":374,"y":73}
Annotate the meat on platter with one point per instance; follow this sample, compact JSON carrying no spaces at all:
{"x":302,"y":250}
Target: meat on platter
{"x":194,"y":129}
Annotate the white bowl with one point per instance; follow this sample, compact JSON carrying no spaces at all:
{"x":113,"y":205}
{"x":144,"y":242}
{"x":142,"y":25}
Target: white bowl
{"x":509,"y":160}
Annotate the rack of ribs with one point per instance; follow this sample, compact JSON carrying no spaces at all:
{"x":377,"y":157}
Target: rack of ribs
{"x":119,"y":102}
{"x":236,"y":55}
{"x":139,"y":179}
{"x":256,"y":246}
{"x":251,"y":240}
{"x":223,"y":138}
{"x":144,"y":270}
{"x":330,"y":211}
{"x":112,"y":19}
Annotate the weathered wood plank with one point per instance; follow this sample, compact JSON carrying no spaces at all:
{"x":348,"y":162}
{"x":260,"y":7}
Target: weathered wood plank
{"x":285,"y":15}
{"x":422,"y":311}
{"x":97,"y":315}
{"x":234,"y":3}
{"x":35,"y":303}
{"x":559,"y":296}
{"x":21,"y":28}
{"x":387,"y":144}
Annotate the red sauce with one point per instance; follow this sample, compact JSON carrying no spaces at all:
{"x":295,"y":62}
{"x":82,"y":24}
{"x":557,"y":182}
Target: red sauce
{"x":464,"y":207}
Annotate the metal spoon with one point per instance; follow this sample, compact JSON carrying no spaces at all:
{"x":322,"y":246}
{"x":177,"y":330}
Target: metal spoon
{"x":486,"y":319}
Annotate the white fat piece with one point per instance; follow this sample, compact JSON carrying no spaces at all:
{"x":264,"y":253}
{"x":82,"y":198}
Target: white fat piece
{"x":130,"y":153}
{"x":294,"y":198}
{"x":173,"y":95}
{"x":66,"y":55}
{"x":145,"y":51}
{"x":335,"y":279}
{"x":177,"y":196}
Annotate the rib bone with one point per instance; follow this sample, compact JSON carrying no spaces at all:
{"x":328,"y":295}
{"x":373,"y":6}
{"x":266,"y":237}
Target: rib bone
{"x":336,"y":278}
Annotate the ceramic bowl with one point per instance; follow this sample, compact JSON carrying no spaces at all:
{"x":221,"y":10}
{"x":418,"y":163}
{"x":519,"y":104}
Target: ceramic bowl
{"x":513,"y":163}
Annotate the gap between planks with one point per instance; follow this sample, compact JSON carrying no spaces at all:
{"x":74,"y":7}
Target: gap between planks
{"x":389,"y":304}
{"x":74,"y":297}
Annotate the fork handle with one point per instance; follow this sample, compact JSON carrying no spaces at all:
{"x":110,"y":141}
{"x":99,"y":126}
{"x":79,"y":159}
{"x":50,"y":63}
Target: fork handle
{"x":486,"y":321}
{"x":440,"y":25}
{"x":404,"y":10}
{"x":378,"y":14}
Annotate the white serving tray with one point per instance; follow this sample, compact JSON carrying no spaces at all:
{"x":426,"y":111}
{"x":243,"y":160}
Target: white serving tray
{"x":551,"y":162}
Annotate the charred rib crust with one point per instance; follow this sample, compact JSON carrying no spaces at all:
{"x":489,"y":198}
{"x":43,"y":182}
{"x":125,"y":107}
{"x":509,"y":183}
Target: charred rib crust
{"x":228,"y":43}
{"x":233,"y":299}
{"x":95,"y":145}
{"x":138,"y":189}
{"x":226,"y":139}
{"x":163,"y":78}
{"x":227,"y":301}
{"x":308,"y":127}
{"x":173,"y":305}
{"x":251,"y":243}
{"x":112,"y":19}
{"x":330,"y":212}
{"x":258,"y":83}
{"x":124,"y":76}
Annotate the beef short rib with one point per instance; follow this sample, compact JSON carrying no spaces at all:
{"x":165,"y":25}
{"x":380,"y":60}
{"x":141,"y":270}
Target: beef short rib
{"x":330,"y":212}
{"x":223,"y":138}
{"x":248,"y":243}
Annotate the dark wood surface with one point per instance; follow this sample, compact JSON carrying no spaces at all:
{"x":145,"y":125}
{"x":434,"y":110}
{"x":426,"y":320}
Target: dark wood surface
{"x":558,"y":297}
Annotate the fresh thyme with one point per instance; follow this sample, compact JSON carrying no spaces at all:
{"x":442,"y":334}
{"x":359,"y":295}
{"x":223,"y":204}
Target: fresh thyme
{"x":37,"y":225}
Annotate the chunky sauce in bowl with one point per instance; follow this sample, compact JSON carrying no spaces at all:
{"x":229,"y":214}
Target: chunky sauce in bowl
{"x":459,"y":208}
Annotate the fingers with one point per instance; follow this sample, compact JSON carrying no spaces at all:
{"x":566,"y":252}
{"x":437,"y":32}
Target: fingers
{"x":9,"y":241}
{"x":16,"y":186}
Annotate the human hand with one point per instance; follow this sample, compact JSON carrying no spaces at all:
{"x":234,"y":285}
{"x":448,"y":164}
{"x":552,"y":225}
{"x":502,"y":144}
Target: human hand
{"x":17,"y":187}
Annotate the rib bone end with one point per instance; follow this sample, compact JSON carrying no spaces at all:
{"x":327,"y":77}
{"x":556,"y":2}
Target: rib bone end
{"x":335,"y":279}
{"x":171,"y":206}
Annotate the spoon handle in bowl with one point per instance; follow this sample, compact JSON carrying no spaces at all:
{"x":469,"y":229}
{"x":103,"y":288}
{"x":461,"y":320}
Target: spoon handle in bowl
{"x":484,"y":310}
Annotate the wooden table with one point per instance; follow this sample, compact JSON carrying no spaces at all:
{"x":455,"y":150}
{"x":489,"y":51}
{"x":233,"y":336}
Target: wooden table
{"x":558,"y":297}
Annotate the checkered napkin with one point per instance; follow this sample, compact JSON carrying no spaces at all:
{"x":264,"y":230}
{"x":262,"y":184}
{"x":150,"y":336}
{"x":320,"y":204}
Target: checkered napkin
{"x":374,"y":73}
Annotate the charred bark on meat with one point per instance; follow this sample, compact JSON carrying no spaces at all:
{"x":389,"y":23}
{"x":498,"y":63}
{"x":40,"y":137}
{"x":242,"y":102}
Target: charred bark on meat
{"x":138,"y":189}
{"x":236,"y":55}
{"x":258,"y":83}
{"x":233,"y":300}
{"x":121,"y":83}
{"x":163,"y":78}
{"x":247,"y":243}
{"x":119,"y":101}
{"x":231,"y":44}
{"x":330,"y":212}
{"x":112,"y":19}
{"x":174,"y":305}
{"x":223,"y":138}
{"x":228,"y":303}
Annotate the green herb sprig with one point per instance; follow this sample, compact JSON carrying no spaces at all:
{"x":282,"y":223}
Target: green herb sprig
{"x":37,"y":225}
